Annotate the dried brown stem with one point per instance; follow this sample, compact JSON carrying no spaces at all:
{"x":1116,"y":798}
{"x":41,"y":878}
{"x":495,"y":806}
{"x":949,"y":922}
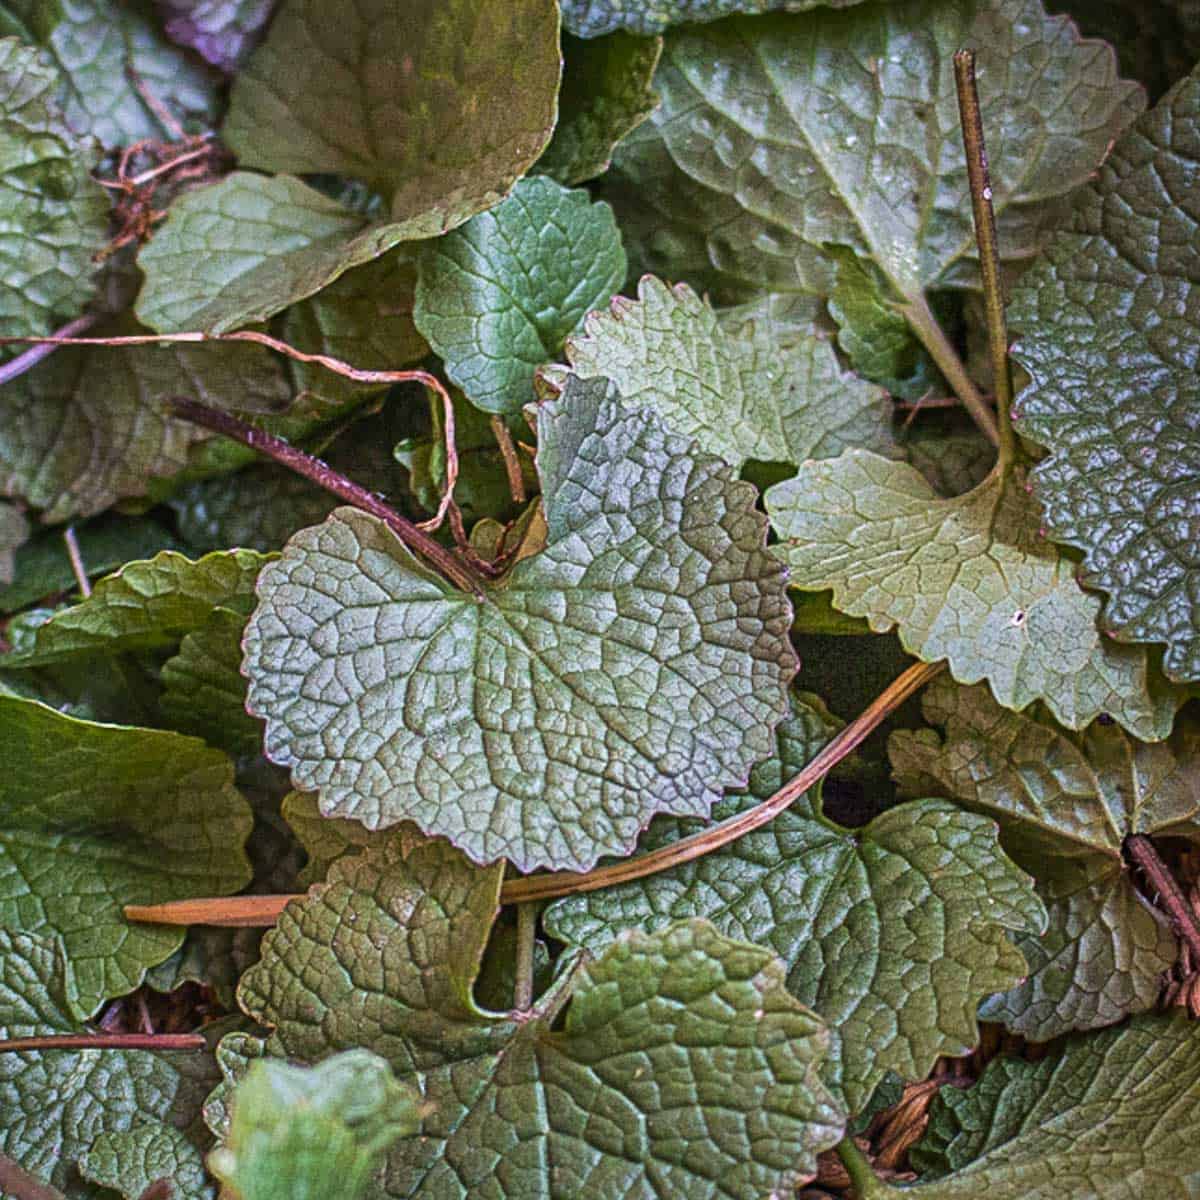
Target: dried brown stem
{"x":77,"y":567}
{"x":324,"y":476}
{"x":1170,"y":896}
{"x":264,"y":910}
{"x":512,"y":464}
{"x":105,"y":1041}
{"x":985,"y":238}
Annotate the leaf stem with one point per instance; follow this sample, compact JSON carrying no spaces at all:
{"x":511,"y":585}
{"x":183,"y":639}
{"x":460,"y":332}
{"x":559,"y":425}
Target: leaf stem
{"x":45,"y":347}
{"x":80,"y":571}
{"x":989,"y":248}
{"x":866,"y":1183}
{"x":17,"y":1182}
{"x":313,"y":469}
{"x":263,"y":910}
{"x":1170,"y":896}
{"x":924,"y":324}
{"x":105,"y":1041}
{"x":527,"y":915}
{"x":512,"y":464}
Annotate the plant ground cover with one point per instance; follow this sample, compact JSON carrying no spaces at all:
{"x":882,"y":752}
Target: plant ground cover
{"x":599,"y":597}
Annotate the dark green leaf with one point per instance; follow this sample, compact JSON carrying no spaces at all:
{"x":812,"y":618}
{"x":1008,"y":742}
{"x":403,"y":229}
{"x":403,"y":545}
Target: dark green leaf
{"x":94,"y":817}
{"x":1065,"y":803}
{"x":1110,"y":333}
{"x":605,"y":93}
{"x":638,"y":664}
{"x":497,"y":297}
{"x":56,"y":1104}
{"x":1109,"y":1117}
{"x":14,"y":529}
{"x":130,"y":1160}
{"x":94,"y":44}
{"x":52,"y":216}
{"x":43,"y":567}
{"x":892,"y":933}
{"x":683,"y":1067}
{"x":591,"y":18}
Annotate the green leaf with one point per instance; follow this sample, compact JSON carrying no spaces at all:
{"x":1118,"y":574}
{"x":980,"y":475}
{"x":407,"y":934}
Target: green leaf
{"x":605,"y":93}
{"x":94,"y":817}
{"x":1108,"y":1117}
{"x":94,"y":44}
{"x":591,"y":18}
{"x":1110,"y":331}
{"x":1065,"y":803}
{"x":307,"y":1133}
{"x":14,"y":529}
{"x":204,"y":693}
{"x":755,"y":383}
{"x":892,"y":933}
{"x":951,"y":452}
{"x":683,"y":1066}
{"x":57,"y":1103}
{"x":638,"y":664}
{"x":873,"y":333}
{"x":43,"y":566}
{"x":247,"y":247}
{"x":221,"y":31}
{"x":52,"y":216}
{"x":87,"y":427}
{"x":326,"y":839}
{"x":497,"y":297}
{"x":146,"y":605}
{"x":774,"y":150}
{"x":965,"y":579}
{"x":130,"y":1160}
{"x":438,"y":105}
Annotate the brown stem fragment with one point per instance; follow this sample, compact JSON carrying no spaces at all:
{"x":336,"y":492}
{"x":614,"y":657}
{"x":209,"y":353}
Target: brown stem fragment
{"x":313,"y":469}
{"x":264,"y":910}
{"x":1170,"y":896}
{"x":105,"y":1041}
{"x":17,"y":1182}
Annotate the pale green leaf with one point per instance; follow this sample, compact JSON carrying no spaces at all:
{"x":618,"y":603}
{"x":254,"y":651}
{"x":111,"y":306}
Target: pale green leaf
{"x":438,"y":105}
{"x":755,"y":383}
{"x":246,"y":248}
{"x":967,"y":580}
{"x":683,"y":1066}
{"x":782,"y":135}
{"x":1109,"y":326}
{"x":638,"y":664}
{"x":605,"y":93}
{"x":310,"y":1133}
{"x":326,"y":839}
{"x":497,"y":297}
{"x":56,"y":1104}
{"x":130,"y":1160}
{"x":1107,"y":1117}
{"x":146,"y":605}
{"x":1065,"y":803}
{"x":87,"y":427}
{"x":94,"y":817}
{"x":53,"y":217}
{"x":94,"y":44}
{"x":893,"y":932}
